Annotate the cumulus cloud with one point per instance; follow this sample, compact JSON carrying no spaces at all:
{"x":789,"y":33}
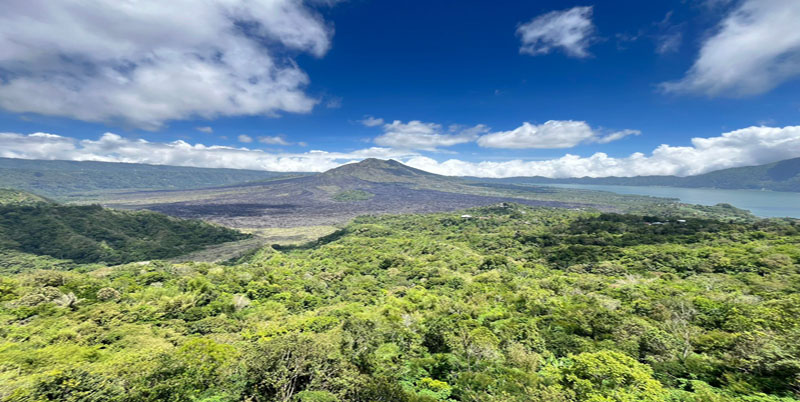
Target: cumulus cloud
{"x":370,"y":121}
{"x":147,"y":62}
{"x":245,"y":138}
{"x":274,"y":140}
{"x":114,"y":148}
{"x":745,"y":147}
{"x":569,"y":30}
{"x":426,"y":136}
{"x":755,"y":48}
{"x":551,"y":134}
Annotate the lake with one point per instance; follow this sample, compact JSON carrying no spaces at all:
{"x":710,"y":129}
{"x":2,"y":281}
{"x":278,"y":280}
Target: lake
{"x":760,"y":203}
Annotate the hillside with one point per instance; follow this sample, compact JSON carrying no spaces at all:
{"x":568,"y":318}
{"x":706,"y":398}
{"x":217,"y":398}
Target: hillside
{"x":92,"y":234}
{"x":514,"y":304}
{"x":18,"y":197}
{"x":779,"y":176}
{"x":67,"y":180}
{"x":382,"y":171}
{"x":371,"y":186}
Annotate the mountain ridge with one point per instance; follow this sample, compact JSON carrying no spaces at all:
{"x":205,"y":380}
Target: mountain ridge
{"x":380,"y":170}
{"x":68,"y":180}
{"x":782,"y":175}
{"x":371,"y":186}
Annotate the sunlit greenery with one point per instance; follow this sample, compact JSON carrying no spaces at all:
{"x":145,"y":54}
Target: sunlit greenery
{"x":505,"y":303}
{"x":352,"y":195}
{"x":87,"y":234}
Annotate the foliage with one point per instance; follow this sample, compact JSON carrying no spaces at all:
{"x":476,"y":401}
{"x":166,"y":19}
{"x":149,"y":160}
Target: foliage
{"x":89,"y":234}
{"x":513,"y":304}
{"x":17,"y":197}
{"x":352,"y":195}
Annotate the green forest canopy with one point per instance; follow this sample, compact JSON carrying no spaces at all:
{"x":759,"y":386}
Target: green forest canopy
{"x":512,"y":304}
{"x":92,"y":234}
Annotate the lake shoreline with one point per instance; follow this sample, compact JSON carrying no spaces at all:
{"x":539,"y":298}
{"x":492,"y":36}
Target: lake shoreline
{"x":762,"y":203}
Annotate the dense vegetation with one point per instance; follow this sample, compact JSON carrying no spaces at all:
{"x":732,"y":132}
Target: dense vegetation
{"x":65,"y":180}
{"x":510,"y":304}
{"x":16,"y":197}
{"x":92,"y":234}
{"x":352,"y":195}
{"x":777,"y":176}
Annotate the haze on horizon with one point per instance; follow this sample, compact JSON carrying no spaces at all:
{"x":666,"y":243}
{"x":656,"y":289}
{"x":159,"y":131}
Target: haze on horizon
{"x":554,"y":89}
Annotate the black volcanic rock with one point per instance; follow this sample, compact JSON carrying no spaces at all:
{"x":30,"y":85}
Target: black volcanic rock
{"x":381,"y":186}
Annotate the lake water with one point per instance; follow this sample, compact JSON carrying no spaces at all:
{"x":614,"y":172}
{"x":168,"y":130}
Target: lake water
{"x":760,"y":203}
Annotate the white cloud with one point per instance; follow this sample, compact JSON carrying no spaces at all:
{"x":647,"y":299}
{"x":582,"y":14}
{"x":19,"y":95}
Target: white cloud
{"x":114,"y":148}
{"x":370,"y":121}
{"x":551,"y":134}
{"x":274,"y":140}
{"x":571,"y":30}
{"x":147,"y":62}
{"x":205,"y":129}
{"x":669,"y":43}
{"x":426,"y":136}
{"x":245,"y":138}
{"x":670,"y":36}
{"x":745,"y":147}
{"x":755,"y":48}
{"x":617,"y":135}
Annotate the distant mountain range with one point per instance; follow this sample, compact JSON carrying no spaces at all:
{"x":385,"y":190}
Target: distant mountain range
{"x":258,"y":199}
{"x":777,"y":176}
{"x":371,"y":186}
{"x":334,"y":197}
{"x":67,"y":180}
{"x":86,"y":180}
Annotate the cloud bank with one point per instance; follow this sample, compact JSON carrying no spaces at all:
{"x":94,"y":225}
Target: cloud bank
{"x":569,"y":30}
{"x":551,"y":134}
{"x":274,"y":140}
{"x":744,"y":147}
{"x":147,"y":62}
{"x":755,"y":48}
{"x":114,"y":148}
{"x":418,"y":135}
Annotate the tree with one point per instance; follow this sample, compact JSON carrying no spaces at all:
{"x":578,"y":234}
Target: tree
{"x":608,"y":376}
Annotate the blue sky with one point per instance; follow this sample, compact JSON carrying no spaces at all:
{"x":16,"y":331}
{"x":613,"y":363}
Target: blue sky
{"x":554,"y":88}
